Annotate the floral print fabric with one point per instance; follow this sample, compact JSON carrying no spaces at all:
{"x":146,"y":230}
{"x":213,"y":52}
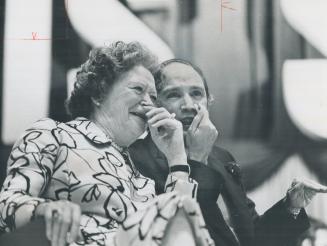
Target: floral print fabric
{"x":76,"y":161}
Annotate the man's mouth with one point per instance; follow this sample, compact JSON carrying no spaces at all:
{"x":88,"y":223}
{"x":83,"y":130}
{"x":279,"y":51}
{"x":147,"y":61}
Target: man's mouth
{"x":187,"y":121}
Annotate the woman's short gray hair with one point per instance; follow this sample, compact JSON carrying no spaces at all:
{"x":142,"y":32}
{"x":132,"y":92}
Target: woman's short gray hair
{"x":99,"y":72}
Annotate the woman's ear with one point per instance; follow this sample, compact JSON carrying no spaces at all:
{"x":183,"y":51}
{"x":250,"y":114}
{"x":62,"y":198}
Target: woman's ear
{"x":95,"y":102}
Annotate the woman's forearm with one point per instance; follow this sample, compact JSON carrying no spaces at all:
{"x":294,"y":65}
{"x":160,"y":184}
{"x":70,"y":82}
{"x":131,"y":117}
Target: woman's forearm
{"x":16,"y":209}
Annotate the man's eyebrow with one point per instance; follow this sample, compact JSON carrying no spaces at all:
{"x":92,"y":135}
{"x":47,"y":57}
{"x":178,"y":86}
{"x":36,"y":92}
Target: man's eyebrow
{"x":197,"y":87}
{"x":170,"y":88}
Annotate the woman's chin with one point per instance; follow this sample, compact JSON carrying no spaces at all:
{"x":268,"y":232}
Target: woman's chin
{"x":137,"y":129}
{"x":140,"y":124}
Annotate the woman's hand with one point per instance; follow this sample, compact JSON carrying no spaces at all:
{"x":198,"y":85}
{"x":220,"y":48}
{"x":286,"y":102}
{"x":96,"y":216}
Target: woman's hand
{"x":62,"y":220}
{"x":167,"y":134}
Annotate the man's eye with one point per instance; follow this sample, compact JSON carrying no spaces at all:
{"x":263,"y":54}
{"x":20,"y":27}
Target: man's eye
{"x":197,"y":93}
{"x":172,"y":95}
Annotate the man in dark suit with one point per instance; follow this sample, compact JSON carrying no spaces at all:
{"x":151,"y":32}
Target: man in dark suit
{"x":230,"y":216}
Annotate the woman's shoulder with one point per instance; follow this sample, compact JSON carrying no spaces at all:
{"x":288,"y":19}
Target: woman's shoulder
{"x":44,"y":128}
{"x":51,"y":124}
{"x":37,"y":134}
{"x":44,"y":124}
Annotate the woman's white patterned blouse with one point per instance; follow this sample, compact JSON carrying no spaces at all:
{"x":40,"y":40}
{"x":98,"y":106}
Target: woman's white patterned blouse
{"x":76,"y":161}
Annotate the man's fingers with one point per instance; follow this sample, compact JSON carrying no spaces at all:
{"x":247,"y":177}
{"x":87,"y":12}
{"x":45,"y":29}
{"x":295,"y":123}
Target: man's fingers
{"x":201,"y":119}
{"x":205,"y":113}
{"x":74,"y":231}
{"x":309,"y":185}
{"x":316,"y":188}
{"x":196,"y":122}
{"x":310,"y":194}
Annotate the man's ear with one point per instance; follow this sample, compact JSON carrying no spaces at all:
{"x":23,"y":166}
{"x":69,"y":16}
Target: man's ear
{"x":210,"y":100}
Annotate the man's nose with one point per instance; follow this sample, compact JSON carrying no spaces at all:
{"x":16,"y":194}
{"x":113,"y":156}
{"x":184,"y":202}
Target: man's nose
{"x":188,"y":103}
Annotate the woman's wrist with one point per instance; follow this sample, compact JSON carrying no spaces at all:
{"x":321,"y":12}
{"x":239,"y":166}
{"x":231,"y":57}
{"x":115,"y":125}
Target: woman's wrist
{"x":185,"y":168}
{"x":181,"y":171}
{"x":177,"y":160}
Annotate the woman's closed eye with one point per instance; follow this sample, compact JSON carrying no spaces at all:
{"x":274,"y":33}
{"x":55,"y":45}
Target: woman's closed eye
{"x":138,"y":89}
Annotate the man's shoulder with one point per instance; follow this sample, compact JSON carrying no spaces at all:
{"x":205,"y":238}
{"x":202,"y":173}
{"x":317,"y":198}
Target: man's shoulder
{"x":143,"y":150}
{"x":141,"y":144}
{"x":221,"y":154}
{"x":223,"y":161}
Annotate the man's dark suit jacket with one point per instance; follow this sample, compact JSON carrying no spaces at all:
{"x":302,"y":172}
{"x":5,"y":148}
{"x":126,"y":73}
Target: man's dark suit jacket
{"x":223,"y":176}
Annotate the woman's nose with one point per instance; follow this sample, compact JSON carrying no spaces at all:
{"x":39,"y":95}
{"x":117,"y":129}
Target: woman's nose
{"x":147,"y":101}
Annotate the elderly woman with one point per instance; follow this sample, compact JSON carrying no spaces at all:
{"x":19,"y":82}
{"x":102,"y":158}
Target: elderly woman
{"x":78,"y":175}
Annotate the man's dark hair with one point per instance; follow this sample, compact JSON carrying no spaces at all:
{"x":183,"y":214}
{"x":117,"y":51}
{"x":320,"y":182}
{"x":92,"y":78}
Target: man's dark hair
{"x":159,"y":75}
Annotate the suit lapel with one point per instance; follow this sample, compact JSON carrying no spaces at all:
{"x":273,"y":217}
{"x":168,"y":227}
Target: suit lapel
{"x":236,"y":201}
{"x":212,"y":180}
{"x":150,"y":162}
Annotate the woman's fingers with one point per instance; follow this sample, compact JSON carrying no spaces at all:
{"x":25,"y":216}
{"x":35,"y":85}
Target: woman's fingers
{"x":163,"y":128}
{"x":62,"y":220}
{"x":161,"y":120}
{"x":56,"y":224}
{"x":160,"y":116}
{"x":155,"y":111}
{"x":74,"y":230}
{"x":167,"y":123}
{"x":65,"y":226}
{"x":70,"y":223}
{"x":48,"y":222}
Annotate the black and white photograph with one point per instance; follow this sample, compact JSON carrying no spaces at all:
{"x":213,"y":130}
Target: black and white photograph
{"x":163,"y":122}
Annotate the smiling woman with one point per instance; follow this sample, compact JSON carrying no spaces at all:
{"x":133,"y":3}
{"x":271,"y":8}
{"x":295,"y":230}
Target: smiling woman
{"x":104,"y":66}
{"x":78,"y":175}
{"x":123,"y":101}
